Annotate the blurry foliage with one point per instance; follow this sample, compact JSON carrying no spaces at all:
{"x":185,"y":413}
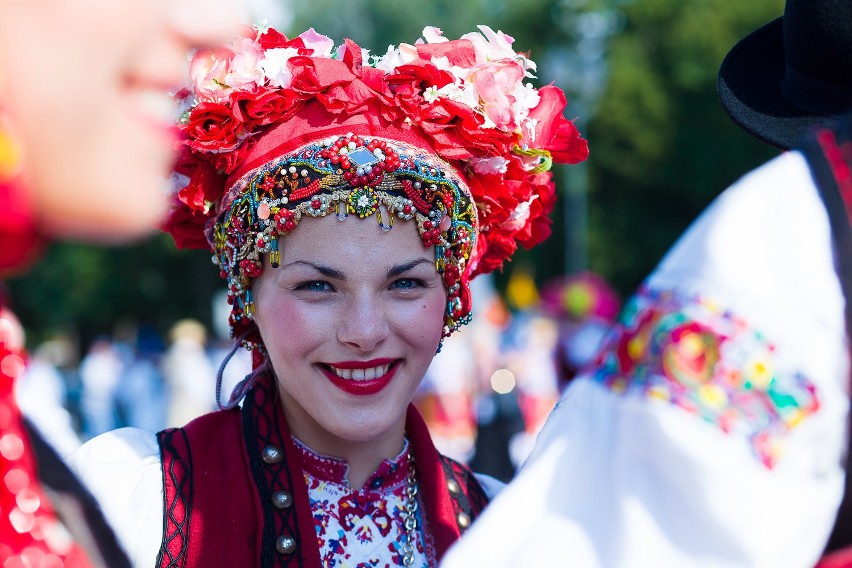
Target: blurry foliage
{"x":661,"y":146}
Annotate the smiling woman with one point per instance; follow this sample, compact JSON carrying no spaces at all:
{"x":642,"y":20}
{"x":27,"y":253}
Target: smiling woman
{"x":348,"y":201}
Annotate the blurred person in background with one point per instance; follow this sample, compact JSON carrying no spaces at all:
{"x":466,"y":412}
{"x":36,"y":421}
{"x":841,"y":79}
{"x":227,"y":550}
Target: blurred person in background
{"x":141,"y":397}
{"x":348,"y":202}
{"x":189,"y":374}
{"x":100,"y":371}
{"x":584,"y":307}
{"x":85,"y":144}
{"x":711,"y":428}
{"x":42,"y":394}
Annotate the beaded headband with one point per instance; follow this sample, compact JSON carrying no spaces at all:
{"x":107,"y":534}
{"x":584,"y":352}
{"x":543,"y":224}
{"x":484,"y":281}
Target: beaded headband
{"x":445,"y":133}
{"x":342,"y":176}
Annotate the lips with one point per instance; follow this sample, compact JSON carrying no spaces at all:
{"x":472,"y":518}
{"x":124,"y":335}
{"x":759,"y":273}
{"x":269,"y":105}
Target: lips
{"x":361,"y":378}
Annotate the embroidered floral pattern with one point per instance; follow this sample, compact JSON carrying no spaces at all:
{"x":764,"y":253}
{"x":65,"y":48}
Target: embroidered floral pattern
{"x":697,"y":356}
{"x":360,"y":528}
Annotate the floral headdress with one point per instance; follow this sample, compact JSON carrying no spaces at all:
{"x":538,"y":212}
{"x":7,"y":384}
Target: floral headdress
{"x":446,"y":133}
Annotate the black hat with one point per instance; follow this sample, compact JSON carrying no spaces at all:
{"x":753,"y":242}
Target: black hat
{"x":791,"y":74}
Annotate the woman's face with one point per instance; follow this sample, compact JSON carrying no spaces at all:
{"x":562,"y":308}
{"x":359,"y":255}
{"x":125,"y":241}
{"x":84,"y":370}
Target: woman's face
{"x":86,"y":86}
{"x":351,"y":319}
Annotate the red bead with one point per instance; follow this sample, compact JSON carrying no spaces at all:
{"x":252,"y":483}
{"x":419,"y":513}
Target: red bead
{"x":316,"y":203}
{"x":406,"y":209}
{"x":427,"y":224}
{"x":345,"y":163}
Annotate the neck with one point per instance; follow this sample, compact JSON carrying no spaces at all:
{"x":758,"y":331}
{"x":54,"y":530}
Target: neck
{"x":362,"y":456}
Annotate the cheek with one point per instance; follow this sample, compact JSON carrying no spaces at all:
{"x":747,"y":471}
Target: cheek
{"x":425,"y":323}
{"x":287,"y":326}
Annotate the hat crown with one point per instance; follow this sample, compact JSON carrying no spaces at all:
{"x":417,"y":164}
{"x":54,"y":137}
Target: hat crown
{"x":818,"y":39}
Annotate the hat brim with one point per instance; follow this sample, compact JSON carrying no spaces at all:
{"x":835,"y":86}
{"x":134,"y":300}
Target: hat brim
{"x":749,"y":87}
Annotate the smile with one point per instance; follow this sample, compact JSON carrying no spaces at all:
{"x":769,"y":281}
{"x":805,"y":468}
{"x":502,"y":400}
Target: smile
{"x":369,"y":374}
{"x":361,"y":377}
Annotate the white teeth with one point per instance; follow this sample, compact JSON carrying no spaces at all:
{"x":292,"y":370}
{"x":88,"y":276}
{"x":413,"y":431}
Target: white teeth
{"x":361,"y":374}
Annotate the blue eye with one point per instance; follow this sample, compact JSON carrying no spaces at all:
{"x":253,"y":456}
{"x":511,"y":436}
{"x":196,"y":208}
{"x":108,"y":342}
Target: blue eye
{"x":314,"y":286}
{"x":407,"y":283}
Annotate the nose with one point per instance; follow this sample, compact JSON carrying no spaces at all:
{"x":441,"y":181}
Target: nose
{"x":363,"y":324}
{"x":206,"y":23}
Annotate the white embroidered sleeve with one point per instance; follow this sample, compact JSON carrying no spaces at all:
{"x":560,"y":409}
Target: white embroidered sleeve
{"x":710,"y":430}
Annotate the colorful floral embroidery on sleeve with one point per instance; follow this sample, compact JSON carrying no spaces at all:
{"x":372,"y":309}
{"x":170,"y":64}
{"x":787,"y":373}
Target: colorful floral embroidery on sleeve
{"x":695,"y":355}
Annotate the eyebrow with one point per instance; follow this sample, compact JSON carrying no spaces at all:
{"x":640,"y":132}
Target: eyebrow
{"x":398,"y":269}
{"x":329,"y":272}
{"x":324,"y":270}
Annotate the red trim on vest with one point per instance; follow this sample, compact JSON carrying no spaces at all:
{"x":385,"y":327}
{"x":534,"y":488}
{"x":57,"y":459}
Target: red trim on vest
{"x":839,"y":559}
{"x":430,"y":475}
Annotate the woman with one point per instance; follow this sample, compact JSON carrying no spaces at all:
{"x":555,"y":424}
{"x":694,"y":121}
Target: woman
{"x":348,"y":202}
{"x":83,"y":102}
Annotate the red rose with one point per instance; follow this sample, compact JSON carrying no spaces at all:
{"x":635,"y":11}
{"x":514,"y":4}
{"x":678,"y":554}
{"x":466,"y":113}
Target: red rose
{"x":213,"y":128}
{"x":186,"y":227}
{"x":537,"y":228}
{"x":497,"y":248}
{"x":266,"y":107}
{"x":312,"y":75}
{"x":205,"y":186}
{"x":227,"y":162}
{"x":420,"y":75}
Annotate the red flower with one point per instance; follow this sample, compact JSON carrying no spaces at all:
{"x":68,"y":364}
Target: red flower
{"x":272,"y":39}
{"x":554,"y":132}
{"x":459,"y":52}
{"x":205,"y":185}
{"x":494,"y":250}
{"x":213,"y":128}
{"x":227,"y":162}
{"x":420,"y":75}
{"x":313,"y":75}
{"x":186,"y":227}
{"x":265,"y":107}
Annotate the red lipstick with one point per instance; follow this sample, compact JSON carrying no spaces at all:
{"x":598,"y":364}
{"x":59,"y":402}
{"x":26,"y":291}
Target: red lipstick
{"x":365,"y":387}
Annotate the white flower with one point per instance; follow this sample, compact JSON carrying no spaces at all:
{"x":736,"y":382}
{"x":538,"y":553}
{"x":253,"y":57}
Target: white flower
{"x":529,"y":125}
{"x":495,"y":165}
{"x":431,"y":94}
{"x":431,"y":34}
{"x":395,"y":57}
{"x":262,"y":26}
{"x":321,"y":45}
{"x":526,"y":99}
{"x":494,"y":45}
{"x":460,"y":92}
{"x":274,"y":66}
{"x":243,"y":69}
